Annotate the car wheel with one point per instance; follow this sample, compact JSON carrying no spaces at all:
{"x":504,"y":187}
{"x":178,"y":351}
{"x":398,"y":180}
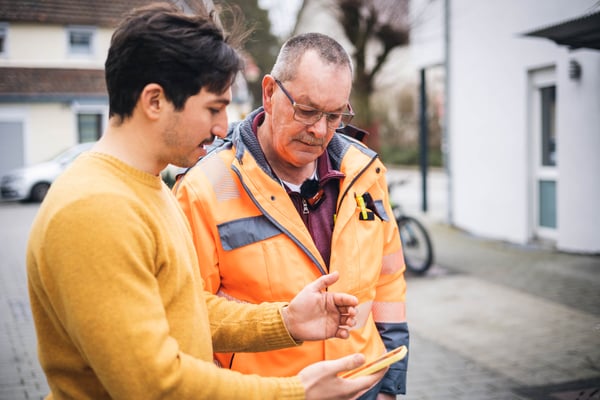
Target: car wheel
{"x":38,"y":192}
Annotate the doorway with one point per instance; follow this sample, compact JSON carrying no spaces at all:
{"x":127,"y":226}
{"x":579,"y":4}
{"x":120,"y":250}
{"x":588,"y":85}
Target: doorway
{"x":543,"y":154}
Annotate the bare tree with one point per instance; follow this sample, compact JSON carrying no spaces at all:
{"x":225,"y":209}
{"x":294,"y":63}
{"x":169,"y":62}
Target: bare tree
{"x":261,"y":46}
{"x":375,"y":28}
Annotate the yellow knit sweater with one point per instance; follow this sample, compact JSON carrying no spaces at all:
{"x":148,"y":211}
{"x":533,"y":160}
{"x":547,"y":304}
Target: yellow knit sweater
{"x":118,"y":302}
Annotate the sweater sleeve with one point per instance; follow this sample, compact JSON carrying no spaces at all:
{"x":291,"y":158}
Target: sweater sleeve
{"x":100,"y":273}
{"x":246,"y":327}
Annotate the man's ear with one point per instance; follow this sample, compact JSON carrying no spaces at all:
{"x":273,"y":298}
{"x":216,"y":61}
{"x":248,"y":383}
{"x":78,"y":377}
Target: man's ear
{"x":152,"y":100}
{"x":268,"y":89}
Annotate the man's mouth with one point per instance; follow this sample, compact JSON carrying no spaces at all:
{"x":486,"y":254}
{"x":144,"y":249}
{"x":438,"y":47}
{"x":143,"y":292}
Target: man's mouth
{"x":207,"y":142}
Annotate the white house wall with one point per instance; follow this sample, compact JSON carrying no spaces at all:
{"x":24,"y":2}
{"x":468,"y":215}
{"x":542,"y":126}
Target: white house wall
{"x":578,"y":126}
{"x":490,"y":149}
{"x":488,"y":102}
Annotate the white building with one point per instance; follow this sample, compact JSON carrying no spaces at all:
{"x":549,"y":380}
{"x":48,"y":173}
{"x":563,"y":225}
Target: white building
{"x":52,"y":89}
{"x":523,"y":116}
{"x":522,"y":132}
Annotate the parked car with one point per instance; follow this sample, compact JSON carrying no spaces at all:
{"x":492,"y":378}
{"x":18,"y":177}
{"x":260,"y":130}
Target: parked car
{"x":32,"y":183}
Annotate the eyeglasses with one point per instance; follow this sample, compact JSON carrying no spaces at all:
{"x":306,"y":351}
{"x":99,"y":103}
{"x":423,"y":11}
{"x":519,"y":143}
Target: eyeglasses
{"x":309,"y":115}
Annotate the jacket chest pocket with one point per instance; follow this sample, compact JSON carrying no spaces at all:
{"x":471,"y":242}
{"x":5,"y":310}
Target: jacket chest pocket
{"x":272,"y":269}
{"x":358,"y":251}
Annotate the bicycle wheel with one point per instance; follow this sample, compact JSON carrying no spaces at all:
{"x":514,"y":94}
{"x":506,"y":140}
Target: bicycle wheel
{"x":416,"y":245}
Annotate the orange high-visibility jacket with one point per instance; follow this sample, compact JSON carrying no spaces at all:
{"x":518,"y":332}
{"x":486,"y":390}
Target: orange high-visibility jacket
{"x":253,"y":247}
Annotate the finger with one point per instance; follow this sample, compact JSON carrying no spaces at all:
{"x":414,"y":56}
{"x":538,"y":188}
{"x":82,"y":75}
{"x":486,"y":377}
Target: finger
{"x":347,"y":322}
{"x":346,"y":316}
{"x":347,"y":363}
{"x":342,"y":333}
{"x":366,"y":382}
{"x":344,"y":299}
{"x":326,"y":280}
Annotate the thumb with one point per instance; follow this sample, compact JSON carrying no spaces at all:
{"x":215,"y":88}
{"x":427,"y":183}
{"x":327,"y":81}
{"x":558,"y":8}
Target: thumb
{"x":326,"y":280}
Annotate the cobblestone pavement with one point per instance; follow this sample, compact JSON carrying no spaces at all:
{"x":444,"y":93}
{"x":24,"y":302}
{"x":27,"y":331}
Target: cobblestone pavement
{"x":495,"y":321}
{"x":490,"y":321}
{"x":20,"y":374}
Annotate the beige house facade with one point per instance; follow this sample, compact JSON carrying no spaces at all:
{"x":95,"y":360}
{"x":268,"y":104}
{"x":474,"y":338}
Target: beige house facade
{"x":52,"y":89}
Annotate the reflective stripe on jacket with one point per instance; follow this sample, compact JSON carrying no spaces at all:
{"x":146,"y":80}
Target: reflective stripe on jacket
{"x":253,"y":245}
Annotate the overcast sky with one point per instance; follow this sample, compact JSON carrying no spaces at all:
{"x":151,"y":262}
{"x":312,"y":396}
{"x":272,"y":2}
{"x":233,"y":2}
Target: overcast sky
{"x":282,"y":15}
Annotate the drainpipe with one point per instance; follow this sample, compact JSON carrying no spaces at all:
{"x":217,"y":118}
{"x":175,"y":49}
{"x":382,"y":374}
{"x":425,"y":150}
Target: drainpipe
{"x":423,"y":138}
{"x":446,"y":128}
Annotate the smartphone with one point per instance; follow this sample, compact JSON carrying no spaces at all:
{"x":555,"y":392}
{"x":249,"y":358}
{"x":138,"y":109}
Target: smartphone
{"x":378,"y":364}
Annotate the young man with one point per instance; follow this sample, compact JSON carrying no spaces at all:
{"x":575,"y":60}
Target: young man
{"x":114,"y":282}
{"x":285,"y":199}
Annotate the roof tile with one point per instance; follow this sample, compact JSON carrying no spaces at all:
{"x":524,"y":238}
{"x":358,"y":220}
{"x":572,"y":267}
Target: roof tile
{"x":51,"y":81}
{"x":73,"y":12}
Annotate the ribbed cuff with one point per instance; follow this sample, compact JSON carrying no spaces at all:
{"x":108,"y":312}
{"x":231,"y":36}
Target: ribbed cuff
{"x":273,"y":328}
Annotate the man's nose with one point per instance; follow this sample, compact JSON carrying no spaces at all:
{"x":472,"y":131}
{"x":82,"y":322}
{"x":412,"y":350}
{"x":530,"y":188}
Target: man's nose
{"x":320,"y":128}
{"x":220,"y":128}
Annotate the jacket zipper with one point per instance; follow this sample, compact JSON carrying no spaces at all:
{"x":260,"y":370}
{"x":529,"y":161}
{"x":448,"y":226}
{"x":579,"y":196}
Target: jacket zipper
{"x":278,"y":225}
{"x":304,"y":207}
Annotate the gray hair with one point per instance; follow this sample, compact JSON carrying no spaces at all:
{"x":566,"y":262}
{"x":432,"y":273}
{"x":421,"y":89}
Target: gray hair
{"x":328,"y":49}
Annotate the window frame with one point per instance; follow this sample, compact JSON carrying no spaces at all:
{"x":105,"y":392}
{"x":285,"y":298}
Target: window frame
{"x":4,"y":34}
{"x":92,"y":109}
{"x":81,"y":51}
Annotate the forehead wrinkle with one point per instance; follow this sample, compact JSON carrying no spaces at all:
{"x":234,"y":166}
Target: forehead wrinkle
{"x":314,"y":76}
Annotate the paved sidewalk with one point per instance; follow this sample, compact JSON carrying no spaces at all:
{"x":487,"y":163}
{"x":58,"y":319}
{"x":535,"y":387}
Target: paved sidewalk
{"x":20,"y":374}
{"x":497,"y":321}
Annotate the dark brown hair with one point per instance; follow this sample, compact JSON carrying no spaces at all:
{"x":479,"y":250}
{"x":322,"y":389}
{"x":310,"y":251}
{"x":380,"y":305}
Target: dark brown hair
{"x":181,"y":52}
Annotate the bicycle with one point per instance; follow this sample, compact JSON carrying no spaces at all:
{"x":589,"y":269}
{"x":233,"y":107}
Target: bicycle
{"x":416,"y":242}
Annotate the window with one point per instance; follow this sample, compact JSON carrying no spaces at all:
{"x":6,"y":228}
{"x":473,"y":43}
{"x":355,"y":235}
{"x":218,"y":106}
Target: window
{"x":89,"y":126}
{"x":548,"y":99}
{"x":80,"y":40}
{"x":3,"y":38}
{"x":547,"y":207}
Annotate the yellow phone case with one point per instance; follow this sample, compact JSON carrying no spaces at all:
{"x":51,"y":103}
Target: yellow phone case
{"x":371,"y":367}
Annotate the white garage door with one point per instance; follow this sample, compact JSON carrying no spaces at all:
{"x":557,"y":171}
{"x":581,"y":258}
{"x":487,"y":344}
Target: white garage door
{"x":12,"y":147}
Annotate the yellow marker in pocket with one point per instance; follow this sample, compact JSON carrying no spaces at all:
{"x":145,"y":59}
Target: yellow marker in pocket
{"x":361,"y":204}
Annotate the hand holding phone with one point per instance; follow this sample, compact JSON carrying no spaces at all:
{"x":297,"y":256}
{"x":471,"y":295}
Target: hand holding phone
{"x":378,"y":364}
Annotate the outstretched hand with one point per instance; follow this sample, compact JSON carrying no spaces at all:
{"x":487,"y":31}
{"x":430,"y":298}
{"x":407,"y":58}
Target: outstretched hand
{"x":316,"y":314}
